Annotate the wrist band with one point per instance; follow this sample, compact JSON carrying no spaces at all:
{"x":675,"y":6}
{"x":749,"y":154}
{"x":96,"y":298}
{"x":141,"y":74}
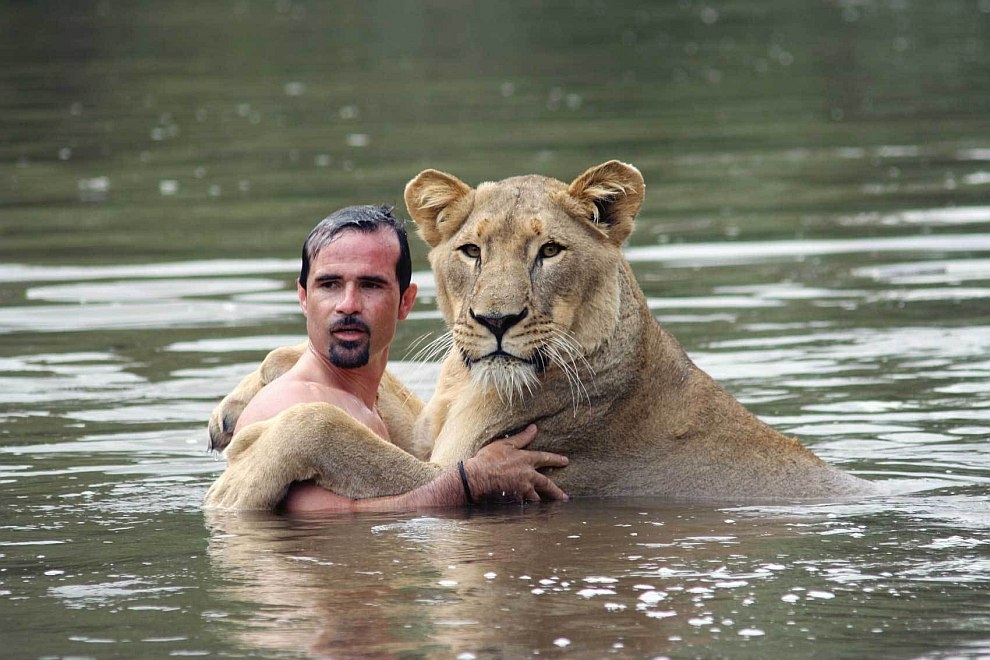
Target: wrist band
{"x":464,"y":481}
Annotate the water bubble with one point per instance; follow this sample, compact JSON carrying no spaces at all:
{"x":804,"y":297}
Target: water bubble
{"x":561,"y":642}
{"x":168,"y":187}
{"x":751,"y":632}
{"x":651,"y":597}
{"x":349,"y":112}
{"x":358,"y":140}
{"x":507,"y":89}
{"x":65,"y":153}
{"x":295,"y":88}
{"x":94,"y":189}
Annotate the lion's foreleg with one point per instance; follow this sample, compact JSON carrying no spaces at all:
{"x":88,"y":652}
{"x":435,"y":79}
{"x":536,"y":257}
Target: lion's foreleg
{"x":313,"y":441}
{"x":225,"y":415}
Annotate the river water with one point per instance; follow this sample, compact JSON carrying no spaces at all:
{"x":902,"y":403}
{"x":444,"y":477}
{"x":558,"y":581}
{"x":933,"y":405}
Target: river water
{"x":816,"y":233}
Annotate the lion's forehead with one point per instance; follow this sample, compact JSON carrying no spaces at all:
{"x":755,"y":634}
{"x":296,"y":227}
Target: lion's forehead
{"x":517,"y":209}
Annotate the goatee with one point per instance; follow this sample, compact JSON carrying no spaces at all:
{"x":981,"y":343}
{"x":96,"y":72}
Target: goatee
{"x":349,"y":354}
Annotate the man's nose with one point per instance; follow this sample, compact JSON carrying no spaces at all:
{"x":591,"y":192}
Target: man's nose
{"x":350,"y":301}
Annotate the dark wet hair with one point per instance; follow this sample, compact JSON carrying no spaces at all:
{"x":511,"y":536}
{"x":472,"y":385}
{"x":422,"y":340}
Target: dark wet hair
{"x":367,"y":219}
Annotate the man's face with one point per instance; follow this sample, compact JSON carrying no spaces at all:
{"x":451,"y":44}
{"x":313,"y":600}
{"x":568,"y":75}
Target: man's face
{"x":351,"y":301}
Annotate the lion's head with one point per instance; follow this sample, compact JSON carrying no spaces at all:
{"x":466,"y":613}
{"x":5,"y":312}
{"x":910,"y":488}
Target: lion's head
{"x":527,"y":268}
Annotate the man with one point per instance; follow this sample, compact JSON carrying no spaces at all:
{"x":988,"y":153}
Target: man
{"x":354,"y":287}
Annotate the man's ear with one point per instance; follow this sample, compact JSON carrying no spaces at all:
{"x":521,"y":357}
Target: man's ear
{"x":407,"y":300}
{"x":611,"y":194}
{"x":438,"y":203}
{"x":301,"y":293}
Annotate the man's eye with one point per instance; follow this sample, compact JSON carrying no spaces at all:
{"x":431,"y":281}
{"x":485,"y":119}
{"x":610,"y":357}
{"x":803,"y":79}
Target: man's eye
{"x":550,"y":250}
{"x":471,"y":250}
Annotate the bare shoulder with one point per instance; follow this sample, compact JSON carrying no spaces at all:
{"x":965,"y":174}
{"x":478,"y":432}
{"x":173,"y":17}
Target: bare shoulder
{"x":281,"y":393}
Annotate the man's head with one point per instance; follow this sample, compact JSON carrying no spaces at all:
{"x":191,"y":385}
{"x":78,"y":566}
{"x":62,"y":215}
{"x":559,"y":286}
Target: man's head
{"x":367,"y":219}
{"x":354,"y":285}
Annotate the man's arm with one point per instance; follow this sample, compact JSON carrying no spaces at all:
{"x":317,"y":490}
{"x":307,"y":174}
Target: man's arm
{"x":501,"y":471}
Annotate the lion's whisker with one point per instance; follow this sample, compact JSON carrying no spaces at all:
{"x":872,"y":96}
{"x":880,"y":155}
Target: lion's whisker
{"x":566,"y":354}
{"x":438,"y":347}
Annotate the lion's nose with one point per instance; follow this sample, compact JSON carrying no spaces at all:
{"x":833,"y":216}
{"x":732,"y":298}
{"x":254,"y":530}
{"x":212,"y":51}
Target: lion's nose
{"x":498,"y":324}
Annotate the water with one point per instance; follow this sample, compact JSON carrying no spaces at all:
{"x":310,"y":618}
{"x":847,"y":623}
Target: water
{"x":815,"y":233}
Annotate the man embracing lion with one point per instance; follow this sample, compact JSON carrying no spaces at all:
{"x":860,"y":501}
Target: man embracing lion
{"x":354,"y":287}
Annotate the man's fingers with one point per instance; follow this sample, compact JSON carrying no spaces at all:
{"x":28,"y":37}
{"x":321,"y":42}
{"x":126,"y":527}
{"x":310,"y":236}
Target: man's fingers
{"x":548,"y":489}
{"x":547,"y":459}
{"x":523,"y":438}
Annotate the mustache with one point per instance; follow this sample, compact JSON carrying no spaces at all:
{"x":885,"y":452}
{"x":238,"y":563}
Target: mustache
{"x":349,"y":322}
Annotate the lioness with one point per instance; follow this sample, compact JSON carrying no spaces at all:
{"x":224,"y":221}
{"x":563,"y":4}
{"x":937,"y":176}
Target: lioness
{"x":547,"y":325}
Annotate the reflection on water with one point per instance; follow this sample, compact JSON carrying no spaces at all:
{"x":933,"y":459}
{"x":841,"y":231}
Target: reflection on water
{"x":815,"y":233}
{"x":664,"y":579}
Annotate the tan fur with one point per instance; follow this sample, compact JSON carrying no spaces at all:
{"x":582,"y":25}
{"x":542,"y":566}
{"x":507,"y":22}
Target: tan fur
{"x":225,"y":415}
{"x":315,"y":441}
{"x":622,"y":401}
{"x":581,"y":354}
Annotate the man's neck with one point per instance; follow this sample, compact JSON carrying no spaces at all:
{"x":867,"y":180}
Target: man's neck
{"x":362,"y":382}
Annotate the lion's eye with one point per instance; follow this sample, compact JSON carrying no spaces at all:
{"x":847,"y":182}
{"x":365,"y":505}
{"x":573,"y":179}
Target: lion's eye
{"x":471,"y":250}
{"x":551,"y":249}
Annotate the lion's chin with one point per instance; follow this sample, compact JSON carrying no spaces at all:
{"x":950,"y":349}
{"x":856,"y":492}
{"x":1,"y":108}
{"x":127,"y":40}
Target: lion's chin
{"x":510,"y":378}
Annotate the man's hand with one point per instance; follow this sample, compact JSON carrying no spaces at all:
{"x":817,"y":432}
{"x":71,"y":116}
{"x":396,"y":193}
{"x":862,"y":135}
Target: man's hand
{"x":503,"y":471}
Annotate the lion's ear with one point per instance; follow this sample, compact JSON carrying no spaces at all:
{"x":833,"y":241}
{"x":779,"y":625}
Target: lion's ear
{"x":429,"y":198}
{"x":615,"y":192}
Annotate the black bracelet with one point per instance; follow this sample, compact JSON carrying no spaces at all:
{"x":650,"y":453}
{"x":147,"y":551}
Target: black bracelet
{"x":464,"y":481}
